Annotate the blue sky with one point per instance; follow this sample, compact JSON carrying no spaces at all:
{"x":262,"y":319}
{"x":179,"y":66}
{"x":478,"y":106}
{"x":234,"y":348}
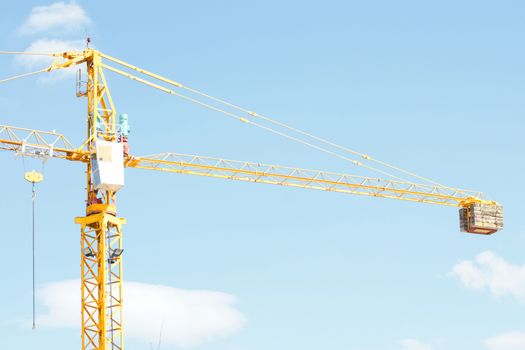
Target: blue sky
{"x":436,"y":88}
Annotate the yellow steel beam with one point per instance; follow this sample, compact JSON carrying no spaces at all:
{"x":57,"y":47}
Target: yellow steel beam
{"x":21,"y":140}
{"x":303,"y":178}
{"x":13,"y":138}
{"x":101,"y":275}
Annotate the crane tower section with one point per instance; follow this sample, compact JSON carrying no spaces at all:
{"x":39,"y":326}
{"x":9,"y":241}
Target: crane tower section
{"x":100,"y":228}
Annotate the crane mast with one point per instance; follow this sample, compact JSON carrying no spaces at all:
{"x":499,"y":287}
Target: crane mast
{"x":100,"y":228}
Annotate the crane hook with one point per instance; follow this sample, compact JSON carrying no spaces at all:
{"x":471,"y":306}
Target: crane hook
{"x":34,"y":177}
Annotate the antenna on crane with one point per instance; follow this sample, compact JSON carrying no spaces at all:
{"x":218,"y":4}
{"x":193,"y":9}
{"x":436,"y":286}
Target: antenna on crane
{"x":34,"y":177}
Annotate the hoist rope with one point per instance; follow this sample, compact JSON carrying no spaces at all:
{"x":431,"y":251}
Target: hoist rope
{"x":268,"y":119}
{"x":242,"y":119}
{"x":317,"y":138}
{"x":33,"y":229}
{"x":365,"y":157}
{"x":23,"y":75}
{"x":33,"y":197}
{"x":28,"y":53}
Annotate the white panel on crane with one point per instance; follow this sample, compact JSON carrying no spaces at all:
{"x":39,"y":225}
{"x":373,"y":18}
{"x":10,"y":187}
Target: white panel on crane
{"x":108,"y":166}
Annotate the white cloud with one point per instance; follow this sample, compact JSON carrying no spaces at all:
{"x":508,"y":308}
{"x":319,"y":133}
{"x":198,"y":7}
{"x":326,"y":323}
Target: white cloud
{"x":506,"y":341}
{"x":58,"y":16}
{"x":493,"y":273}
{"x":49,"y":46}
{"x":413,"y":344}
{"x":186,"y":317}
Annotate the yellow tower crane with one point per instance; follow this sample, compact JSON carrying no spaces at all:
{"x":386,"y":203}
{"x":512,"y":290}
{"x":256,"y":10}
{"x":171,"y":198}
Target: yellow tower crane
{"x":105,"y":154}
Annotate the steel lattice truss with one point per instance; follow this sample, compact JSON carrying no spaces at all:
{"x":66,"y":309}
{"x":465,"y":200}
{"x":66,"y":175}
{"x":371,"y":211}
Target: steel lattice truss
{"x":303,"y":178}
{"x":23,"y":140}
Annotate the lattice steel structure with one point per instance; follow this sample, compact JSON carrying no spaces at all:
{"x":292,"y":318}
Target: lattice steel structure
{"x":101,"y":229}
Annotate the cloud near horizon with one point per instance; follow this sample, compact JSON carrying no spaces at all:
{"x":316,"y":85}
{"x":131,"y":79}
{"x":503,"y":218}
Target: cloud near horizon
{"x":413,"y":344}
{"x":487,"y":271}
{"x":492,"y":273}
{"x":506,"y":341}
{"x":186,"y":317}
